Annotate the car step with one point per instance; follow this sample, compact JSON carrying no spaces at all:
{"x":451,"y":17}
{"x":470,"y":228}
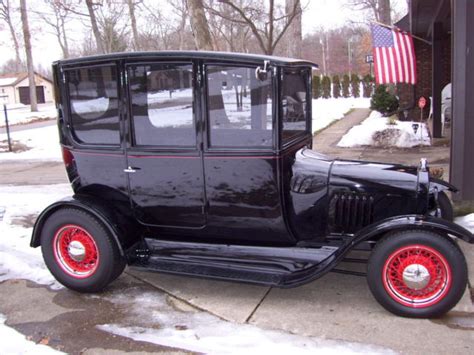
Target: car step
{"x":261,"y":265}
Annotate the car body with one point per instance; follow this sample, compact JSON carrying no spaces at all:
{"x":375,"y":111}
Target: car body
{"x":200,"y":163}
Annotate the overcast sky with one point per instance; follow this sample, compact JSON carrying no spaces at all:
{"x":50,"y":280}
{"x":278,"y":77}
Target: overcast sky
{"x":319,"y":13}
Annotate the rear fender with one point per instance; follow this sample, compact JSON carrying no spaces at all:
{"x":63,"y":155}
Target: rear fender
{"x":123,"y":230}
{"x":406,"y":222}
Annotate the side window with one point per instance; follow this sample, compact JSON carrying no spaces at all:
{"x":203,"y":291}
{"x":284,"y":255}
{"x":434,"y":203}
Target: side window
{"x":94,"y":104}
{"x":162,"y":104}
{"x":294,"y":103}
{"x":239,"y":107}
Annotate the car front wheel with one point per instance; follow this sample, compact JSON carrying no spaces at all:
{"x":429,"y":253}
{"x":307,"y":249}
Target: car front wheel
{"x":417,"y":274}
{"x":79,"y":251}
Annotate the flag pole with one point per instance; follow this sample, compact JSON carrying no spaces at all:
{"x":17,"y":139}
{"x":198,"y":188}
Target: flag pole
{"x":393,"y":28}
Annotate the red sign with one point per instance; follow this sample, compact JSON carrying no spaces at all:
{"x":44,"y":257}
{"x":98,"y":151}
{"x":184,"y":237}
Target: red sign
{"x":422,"y":102}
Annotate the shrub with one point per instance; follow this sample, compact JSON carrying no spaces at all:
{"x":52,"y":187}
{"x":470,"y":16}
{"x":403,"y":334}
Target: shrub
{"x":382,"y":101}
{"x":316,"y":87}
{"x":368,"y":85}
{"x":336,"y":87}
{"x":355,"y":85}
{"x":345,"y":86}
{"x":326,"y":87}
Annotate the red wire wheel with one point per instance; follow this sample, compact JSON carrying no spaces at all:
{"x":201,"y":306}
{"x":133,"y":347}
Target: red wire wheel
{"x":417,"y":276}
{"x":75,"y":251}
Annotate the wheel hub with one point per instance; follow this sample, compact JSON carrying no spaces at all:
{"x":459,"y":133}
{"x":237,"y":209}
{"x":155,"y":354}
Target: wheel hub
{"x":76,"y":250}
{"x":416,"y":276}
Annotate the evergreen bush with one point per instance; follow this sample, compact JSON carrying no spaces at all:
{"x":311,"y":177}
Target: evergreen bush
{"x":383,"y":101}
{"x":346,"y":82}
{"x":336,"y":87}
{"x":355,"y":85}
{"x":316,"y":87}
{"x":326,"y":87}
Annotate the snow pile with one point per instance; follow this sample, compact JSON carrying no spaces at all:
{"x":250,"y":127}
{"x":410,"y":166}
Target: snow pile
{"x":16,"y":343}
{"x":326,"y":111}
{"x":42,"y":144}
{"x":467,"y":222}
{"x":376,"y":131}
{"x":21,"y":205}
{"x":156,"y":321}
{"x":18,"y":114}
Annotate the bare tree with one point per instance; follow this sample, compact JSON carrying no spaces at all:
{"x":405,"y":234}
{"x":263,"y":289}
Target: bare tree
{"x":29,"y":57}
{"x":267,"y":23}
{"x":131,"y":10}
{"x":180,"y":8}
{"x":5,"y":15}
{"x":91,"y":6}
{"x":200,"y":26}
{"x":380,"y":9}
{"x":295,"y":31}
{"x":57,"y":22}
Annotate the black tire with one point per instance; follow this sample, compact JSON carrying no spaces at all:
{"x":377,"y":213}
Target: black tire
{"x":445,"y":207}
{"x":98,"y":261}
{"x":424,"y":252}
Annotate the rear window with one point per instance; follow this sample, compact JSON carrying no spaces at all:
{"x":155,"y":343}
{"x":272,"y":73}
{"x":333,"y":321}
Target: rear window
{"x":295,"y":103}
{"x":94,"y":104}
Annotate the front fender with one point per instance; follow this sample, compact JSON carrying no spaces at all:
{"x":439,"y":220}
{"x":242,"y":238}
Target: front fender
{"x":397,"y":223}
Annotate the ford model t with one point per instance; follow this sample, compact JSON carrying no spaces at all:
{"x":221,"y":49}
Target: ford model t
{"x":200,"y":164}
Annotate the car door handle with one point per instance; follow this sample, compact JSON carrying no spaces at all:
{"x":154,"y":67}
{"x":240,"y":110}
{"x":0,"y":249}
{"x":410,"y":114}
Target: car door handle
{"x":131,"y":169}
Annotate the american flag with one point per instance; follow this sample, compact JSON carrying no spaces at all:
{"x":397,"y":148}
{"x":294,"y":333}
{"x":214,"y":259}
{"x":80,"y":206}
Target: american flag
{"x":394,"y":56}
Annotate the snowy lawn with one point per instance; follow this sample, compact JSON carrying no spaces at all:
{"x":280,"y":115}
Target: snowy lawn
{"x":19,"y":114}
{"x":34,"y":144}
{"x":326,"y":111}
{"x":376,"y":131}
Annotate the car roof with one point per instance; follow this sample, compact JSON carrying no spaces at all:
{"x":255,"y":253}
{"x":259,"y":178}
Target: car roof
{"x":224,"y":56}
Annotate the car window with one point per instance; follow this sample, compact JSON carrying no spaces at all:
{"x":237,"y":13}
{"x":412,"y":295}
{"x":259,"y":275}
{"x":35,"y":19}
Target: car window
{"x":94,"y":104}
{"x":239,"y":107}
{"x":162,"y":104}
{"x":294,"y":103}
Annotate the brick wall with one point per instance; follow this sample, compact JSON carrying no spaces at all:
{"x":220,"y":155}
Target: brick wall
{"x":424,"y":73}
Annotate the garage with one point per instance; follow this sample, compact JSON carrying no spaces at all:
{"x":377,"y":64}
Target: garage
{"x":24,"y":92}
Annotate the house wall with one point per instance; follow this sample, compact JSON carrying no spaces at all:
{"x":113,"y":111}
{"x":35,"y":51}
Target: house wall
{"x":409,"y":96}
{"x":10,"y":91}
{"x":48,"y":88}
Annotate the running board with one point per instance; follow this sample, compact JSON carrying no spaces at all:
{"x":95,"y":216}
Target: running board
{"x":261,"y":265}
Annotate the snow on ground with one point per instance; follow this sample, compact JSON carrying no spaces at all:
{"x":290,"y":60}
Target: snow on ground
{"x":467,"y":222}
{"x":14,"y":342}
{"x":19,"y":113}
{"x":43,"y":143}
{"x":20,"y":206}
{"x":152,"y":319}
{"x":326,"y":111}
{"x":375,"y":130}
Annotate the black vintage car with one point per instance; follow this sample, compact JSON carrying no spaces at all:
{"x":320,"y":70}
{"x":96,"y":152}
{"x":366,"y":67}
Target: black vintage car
{"x":200,"y":164}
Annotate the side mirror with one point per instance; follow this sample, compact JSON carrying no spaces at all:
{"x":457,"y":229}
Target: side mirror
{"x":261,"y":74}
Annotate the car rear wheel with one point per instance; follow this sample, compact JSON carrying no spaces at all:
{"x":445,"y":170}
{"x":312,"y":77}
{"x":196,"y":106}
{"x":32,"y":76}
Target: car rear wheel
{"x":79,"y":251}
{"x":417,"y":274}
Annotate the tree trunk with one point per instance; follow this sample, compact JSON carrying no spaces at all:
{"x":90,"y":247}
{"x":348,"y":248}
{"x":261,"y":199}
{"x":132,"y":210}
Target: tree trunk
{"x":131,"y":10}
{"x":202,"y":35}
{"x":295,"y":35}
{"x":65,"y":46}
{"x":384,"y":12}
{"x":95,"y":27}
{"x":29,"y":57}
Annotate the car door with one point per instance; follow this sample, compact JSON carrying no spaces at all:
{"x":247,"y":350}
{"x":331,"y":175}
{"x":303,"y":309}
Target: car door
{"x":240,"y":158}
{"x":165,"y":169}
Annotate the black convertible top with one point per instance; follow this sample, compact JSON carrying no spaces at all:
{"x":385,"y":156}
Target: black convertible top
{"x":224,"y":56}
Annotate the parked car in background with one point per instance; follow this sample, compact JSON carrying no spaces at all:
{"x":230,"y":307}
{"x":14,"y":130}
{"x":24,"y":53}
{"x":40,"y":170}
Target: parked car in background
{"x":200,"y":163}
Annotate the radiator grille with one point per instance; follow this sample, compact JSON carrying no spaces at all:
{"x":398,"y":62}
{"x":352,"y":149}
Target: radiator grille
{"x":351,"y":211}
